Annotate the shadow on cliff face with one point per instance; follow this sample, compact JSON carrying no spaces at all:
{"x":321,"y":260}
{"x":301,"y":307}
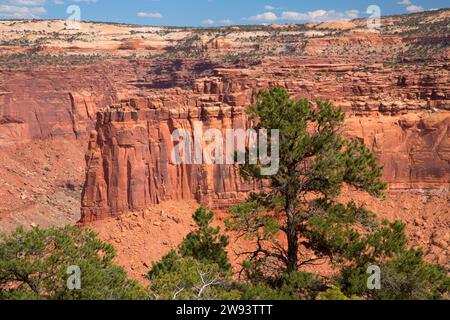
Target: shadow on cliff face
{"x":178,"y":73}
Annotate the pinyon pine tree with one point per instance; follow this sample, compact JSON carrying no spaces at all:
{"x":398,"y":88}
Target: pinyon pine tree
{"x":199,"y":269}
{"x":315,"y":163}
{"x":206,"y":243}
{"x":301,"y":203}
{"x":36,"y":264}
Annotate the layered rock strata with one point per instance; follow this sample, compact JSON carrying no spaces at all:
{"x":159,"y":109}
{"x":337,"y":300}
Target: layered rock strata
{"x":131,"y":164}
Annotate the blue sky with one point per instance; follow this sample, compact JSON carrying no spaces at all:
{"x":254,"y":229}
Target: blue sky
{"x":210,"y":12}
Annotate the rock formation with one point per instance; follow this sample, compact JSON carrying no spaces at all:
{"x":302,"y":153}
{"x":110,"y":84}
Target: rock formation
{"x":130,"y":164}
{"x":402,"y":115}
{"x":119,"y":92}
{"x":56,"y":86}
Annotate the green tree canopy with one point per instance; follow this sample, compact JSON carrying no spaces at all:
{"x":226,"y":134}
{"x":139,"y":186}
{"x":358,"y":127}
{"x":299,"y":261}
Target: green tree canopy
{"x":199,"y":269}
{"x":404,"y":277}
{"x":206,"y":243}
{"x":190,"y":279}
{"x":34,"y":265}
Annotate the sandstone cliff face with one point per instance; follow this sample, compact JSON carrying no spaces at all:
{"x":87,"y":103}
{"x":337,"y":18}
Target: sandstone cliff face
{"x":54,"y":102}
{"x":413,"y":148}
{"x":45,"y":103}
{"x":400,"y":112}
{"x":63,"y":101}
{"x":356,"y":86}
{"x":130,"y":163}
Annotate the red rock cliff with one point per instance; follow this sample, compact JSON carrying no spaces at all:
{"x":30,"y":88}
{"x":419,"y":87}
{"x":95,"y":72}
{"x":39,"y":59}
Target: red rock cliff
{"x":130,"y":164}
{"x":401,"y":114}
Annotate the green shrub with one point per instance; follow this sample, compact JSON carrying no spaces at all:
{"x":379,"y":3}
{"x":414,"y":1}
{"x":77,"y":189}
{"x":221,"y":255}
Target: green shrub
{"x":34,"y":265}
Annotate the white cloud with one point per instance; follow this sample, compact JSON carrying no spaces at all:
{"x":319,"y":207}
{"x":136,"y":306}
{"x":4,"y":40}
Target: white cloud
{"x":27,"y":2}
{"x":16,"y":12}
{"x":352,"y":14}
{"x":266,"y":16}
{"x":414,"y":8}
{"x":268,"y":8}
{"x":320,"y":15}
{"x":226,"y":21}
{"x":411,"y":7}
{"x":208,"y":21}
{"x":154,"y":15}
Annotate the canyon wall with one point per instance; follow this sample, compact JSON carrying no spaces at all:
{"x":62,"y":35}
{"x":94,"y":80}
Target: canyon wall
{"x":62,"y":101}
{"x":46,"y":116}
{"x":130,"y":162}
{"x":51,"y":102}
{"x":56,"y":86}
{"x":402,"y":115}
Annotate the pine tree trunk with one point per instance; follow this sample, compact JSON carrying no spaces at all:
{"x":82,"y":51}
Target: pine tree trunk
{"x":292,"y":237}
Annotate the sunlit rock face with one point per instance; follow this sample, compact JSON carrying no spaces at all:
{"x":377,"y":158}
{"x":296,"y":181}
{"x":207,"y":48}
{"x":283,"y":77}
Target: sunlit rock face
{"x":401,"y":115}
{"x":131,"y":163}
